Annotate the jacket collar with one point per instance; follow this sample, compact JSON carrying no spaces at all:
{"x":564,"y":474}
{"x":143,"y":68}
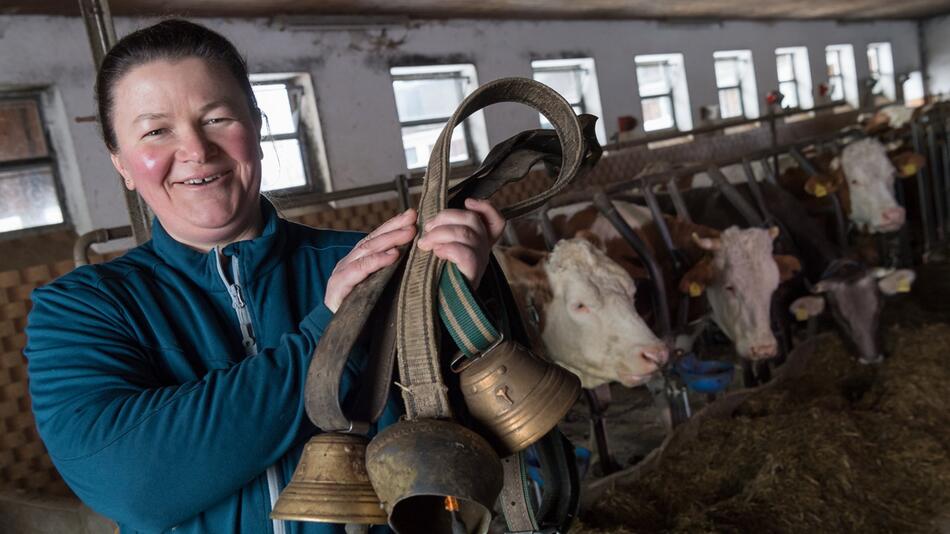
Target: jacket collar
{"x":256,"y":256}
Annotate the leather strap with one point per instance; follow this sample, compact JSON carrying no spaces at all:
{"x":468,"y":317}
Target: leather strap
{"x":423,"y":389}
{"x":507,"y":162}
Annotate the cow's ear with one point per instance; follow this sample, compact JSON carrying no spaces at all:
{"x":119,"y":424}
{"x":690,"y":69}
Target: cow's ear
{"x":821,"y":185}
{"x":593,"y":238}
{"x":908,"y":163}
{"x":899,"y":281}
{"x":805,"y":307}
{"x":694,"y":282}
{"x":788,"y":266}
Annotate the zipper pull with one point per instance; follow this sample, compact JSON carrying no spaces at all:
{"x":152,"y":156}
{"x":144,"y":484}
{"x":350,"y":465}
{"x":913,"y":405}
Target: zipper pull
{"x":235,"y":291}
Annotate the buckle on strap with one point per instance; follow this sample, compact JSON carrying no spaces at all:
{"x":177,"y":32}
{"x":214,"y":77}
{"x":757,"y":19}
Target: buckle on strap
{"x":462,"y":360}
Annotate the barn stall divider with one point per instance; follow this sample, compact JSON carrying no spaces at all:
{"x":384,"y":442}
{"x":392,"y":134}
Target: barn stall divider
{"x":28,"y":477}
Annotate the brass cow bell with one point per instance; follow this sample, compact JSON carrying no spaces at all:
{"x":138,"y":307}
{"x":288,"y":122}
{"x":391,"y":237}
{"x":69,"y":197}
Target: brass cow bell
{"x":330,"y":484}
{"x":516,"y":396}
{"x":434,"y":477}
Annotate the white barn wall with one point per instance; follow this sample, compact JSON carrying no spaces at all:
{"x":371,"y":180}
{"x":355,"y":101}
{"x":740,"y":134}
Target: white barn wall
{"x":351,"y":77}
{"x":937,"y":45}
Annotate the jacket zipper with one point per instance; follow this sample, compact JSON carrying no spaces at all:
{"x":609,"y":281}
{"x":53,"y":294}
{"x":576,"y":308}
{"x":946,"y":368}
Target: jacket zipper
{"x":250,"y":347}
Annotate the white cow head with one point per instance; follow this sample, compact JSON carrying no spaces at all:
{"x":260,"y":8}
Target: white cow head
{"x":581,"y":305}
{"x":870,"y":178}
{"x":739,"y":280}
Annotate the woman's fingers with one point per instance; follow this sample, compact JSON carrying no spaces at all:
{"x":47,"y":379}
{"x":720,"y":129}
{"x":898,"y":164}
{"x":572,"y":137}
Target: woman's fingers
{"x":345,"y":278}
{"x":380,"y":242}
{"x":464,"y":257}
{"x":452,"y":233}
{"x":492,"y":219}
{"x":406,"y":218}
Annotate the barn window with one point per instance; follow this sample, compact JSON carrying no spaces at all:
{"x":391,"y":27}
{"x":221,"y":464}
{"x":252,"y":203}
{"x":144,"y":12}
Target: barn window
{"x":842,"y":79}
{"x":794,"y":77}
{"x":576,"y":81}
{"x":881,"y":68}
{"x":30,"y":192}
{"x":426,"y":97}
{"x":294,"y":156}
{"x":735,"y":82}
{"x":661,"y":79}
{"x":913,"y":88}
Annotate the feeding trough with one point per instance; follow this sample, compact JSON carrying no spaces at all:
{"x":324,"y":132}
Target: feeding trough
{"x":704,"y":376}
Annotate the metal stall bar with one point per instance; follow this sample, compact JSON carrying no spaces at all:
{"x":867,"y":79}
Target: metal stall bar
{"x":922,"y":193}
{"x":840,"y":225}
{"x":609,"y":211}
{"x":734,"y":197}
{"x":402,"y":191}
{"x":679,"y":261}
{"x":101,"y":31}
{"x":935,"y":179}
{"x":756,"y":191}
{"x":678,"y":204}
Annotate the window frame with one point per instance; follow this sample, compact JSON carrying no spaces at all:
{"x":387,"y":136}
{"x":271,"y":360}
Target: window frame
{"x":739,"y":85}
{"x":794,"y":79}
{"x":298,"y":91}
{"x":878,"y":73}
{"x":460,"y":78}
{"x":579,"y":71}
{"x":667,"y":68}
{"x":50,"y":161}
{"x":839,"y":76}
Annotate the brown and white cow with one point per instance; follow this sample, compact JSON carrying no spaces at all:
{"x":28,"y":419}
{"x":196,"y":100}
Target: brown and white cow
{"x":862,"y":177}
{"x":735,"y":269}
{"x":578,"y":305}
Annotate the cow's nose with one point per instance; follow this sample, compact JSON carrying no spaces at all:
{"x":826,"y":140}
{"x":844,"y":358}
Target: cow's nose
{"x":763,"y":351}
{"x":894,"y":215}
{"x":656,"y":355}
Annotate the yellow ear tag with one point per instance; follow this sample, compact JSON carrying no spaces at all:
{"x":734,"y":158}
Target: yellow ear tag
{"x":801,"y":314}
{"x":695,"y":289}
{"x":909,"y":170}
{"x":820,"y":191}
{"x":903,"y":286}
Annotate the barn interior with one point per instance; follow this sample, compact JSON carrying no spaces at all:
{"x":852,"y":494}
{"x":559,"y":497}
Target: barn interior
{"x":732,"y":113}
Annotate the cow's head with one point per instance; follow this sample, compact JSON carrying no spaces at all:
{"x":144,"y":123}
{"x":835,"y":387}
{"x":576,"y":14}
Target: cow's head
{"x":582,"y":305}
{"x":739,"y":280}
{"x":853,"y":294}
{"x":870,"y":182}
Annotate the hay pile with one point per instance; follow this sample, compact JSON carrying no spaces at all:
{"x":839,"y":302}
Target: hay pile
{"x":842,"y":448}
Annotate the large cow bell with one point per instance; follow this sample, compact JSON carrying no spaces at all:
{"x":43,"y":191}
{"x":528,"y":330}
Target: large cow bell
{"x":516,"y":396}
{"x":434,"y":477}
{"x":330,"y":484}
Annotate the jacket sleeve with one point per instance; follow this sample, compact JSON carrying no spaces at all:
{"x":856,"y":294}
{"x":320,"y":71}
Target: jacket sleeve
{"x":150,"y":454}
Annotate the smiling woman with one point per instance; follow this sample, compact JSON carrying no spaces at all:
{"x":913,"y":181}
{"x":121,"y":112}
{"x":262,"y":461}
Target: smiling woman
{"x":168,"y":384}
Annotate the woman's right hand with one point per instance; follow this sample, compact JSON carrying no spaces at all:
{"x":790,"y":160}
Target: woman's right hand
{"x":372,"y":253}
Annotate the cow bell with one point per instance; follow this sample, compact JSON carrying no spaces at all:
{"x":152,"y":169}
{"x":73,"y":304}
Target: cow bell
{"x":516,"y":396}
{"x":330,"y":484}
{"x":434,"y":477}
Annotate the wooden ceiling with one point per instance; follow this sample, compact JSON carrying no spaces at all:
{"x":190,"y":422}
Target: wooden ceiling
{"x":504,"y":9}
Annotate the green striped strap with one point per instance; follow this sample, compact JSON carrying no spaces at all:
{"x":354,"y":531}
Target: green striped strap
{"x":462,"y":316}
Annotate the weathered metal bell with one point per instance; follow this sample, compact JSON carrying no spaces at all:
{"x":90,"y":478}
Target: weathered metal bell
{"x":516,"y":396}
{"x":431,"y":473}
{"x":330,"y":484}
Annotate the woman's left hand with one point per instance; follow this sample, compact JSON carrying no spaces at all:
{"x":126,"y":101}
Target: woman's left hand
{"x":465,"y":237}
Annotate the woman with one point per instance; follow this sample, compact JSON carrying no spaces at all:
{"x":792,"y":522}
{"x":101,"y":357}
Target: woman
{"x":168,"y":383}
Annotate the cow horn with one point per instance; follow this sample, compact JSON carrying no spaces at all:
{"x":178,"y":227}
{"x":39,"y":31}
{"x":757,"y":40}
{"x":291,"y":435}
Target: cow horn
{"x":707,"y":243}
{"x":774,"y":231}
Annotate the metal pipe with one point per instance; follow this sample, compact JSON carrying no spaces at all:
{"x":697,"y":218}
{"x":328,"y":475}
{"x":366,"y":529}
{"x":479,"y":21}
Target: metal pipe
{"x":547,"y":228}
{"x":841,"y":226}
{"x":922,"y":193}
{"x":609,"y":211}
{"x":663,"y":230}
{"x":756,"y":191}
{"x":734,"y":197}
{"x":678,"y":204}
{"x":402,"y":190}
{"x":102,"y":235}
{"x":101,"y":31}
{"x":935,"y":169}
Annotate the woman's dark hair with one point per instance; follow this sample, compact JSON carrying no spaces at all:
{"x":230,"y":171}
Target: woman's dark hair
{"x":171,"y":39}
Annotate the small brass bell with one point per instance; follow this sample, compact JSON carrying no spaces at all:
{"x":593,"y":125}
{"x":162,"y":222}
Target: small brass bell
{"x":516,"y":396}
{"x":434,"y":477}
{"x":330,"y":484}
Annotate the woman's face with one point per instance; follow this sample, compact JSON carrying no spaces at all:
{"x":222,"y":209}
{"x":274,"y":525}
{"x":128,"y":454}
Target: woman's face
{"x":189,"y":144}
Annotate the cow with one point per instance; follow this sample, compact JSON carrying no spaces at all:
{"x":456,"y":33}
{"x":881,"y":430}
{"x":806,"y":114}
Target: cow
{"x":831,"y":280}
{"x":735,"y":269}
{"x":578,"y":306}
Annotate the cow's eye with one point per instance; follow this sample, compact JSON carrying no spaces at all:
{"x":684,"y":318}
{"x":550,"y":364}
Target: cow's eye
{"x":731,"y":289}
{"x":580,"y":307}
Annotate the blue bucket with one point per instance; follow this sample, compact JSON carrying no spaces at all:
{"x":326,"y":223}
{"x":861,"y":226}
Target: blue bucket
{"x":704,"y":376}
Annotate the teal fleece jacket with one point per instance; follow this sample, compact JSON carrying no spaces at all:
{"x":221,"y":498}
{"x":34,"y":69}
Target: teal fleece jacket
{"x":152,"y":408}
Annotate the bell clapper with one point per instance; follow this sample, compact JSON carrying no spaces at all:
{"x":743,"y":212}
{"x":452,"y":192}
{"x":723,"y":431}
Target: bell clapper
{"x":452,"y":505}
